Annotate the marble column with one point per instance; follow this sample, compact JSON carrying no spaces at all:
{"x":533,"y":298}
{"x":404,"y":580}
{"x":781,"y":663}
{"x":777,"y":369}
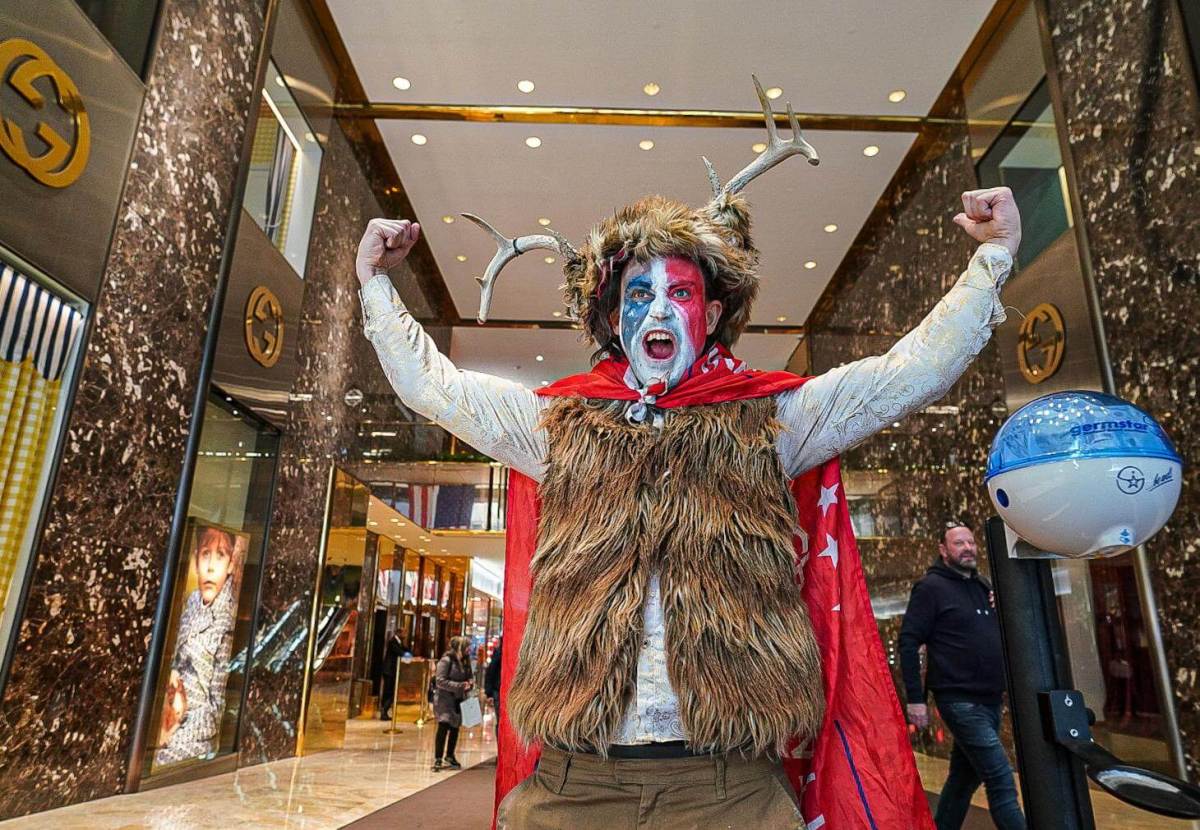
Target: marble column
{"x":928,"y":467}
{"x":1132,"y":118}
{"x":333,"y":357}
{"x":69,"y":703}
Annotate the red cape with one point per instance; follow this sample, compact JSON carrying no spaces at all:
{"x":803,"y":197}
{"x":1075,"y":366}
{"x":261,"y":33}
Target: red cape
{"x":859,"y":772}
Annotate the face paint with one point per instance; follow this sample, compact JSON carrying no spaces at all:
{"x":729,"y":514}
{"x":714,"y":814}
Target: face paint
{"x":663,"y":324}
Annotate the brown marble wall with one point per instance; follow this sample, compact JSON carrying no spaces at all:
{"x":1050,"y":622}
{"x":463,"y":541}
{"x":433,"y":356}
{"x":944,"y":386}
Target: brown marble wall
{"x":322,"y":431}
{"x":1132,"y":119}
{"x":930,"y":466}
{"x":70,"y":698}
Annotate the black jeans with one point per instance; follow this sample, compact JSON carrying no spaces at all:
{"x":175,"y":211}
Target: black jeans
{"x":444,"y":741}
{"x":977,"y":757}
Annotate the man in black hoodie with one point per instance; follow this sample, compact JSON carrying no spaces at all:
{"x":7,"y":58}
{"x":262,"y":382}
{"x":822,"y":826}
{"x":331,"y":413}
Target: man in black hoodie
{"x":951,"y":612}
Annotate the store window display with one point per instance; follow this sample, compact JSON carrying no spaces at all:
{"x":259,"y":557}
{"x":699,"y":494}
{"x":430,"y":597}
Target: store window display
{"x":202,"y":680}
{"x":40,"y":332}
{"x":195,"y":695}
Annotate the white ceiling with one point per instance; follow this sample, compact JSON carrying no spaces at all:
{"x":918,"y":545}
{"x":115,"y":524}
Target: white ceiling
{"x":835,"y":56}
{"x":840,"y":56}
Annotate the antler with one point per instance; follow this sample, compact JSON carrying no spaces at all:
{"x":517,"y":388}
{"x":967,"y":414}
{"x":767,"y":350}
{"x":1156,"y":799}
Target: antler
{"x":506,"y":251}
{"x":777,"y":150}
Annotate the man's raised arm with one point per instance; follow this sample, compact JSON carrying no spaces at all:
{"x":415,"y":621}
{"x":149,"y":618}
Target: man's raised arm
{"x":494,"y":415}
{"x":846,"y":405}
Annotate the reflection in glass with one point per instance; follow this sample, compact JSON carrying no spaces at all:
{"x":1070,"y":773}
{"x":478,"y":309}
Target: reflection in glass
{"x":331,"y":670}
{"x":198,"y":702}
{"x":285,"y":161}
{"x":1026,"y":158}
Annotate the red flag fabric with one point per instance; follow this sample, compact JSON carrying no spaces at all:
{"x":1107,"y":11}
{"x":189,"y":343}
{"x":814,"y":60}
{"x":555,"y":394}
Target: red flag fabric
{"x":859,"y":772}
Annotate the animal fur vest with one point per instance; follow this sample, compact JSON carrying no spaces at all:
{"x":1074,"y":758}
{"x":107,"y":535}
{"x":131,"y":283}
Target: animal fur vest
{"x":703,"y":501}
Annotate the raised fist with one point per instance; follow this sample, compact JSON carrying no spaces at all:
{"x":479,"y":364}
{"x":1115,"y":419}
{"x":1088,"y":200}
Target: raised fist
{"x":991,"y":216}
{"x":384,"y":245}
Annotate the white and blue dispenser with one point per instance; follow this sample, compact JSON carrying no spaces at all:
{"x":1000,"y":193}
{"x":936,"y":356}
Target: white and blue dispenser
{"x":1082,"y":474}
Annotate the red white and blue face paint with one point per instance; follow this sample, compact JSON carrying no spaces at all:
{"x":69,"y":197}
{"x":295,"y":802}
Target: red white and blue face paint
{"x":663,"y":321}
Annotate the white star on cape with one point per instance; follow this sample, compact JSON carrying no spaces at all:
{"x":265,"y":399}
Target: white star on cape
{"x":828,"y":497}
{"x":831,"y":549}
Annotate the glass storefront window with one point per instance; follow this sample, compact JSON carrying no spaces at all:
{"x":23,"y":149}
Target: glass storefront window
{"x":285,"y":162}
{"x":40,"y":332}
{"x":198,"y":702}
{"x":1026,"y":158}
{"x":331,"y":656}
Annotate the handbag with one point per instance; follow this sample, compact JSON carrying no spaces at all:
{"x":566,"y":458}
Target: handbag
{"x":472,"y":713}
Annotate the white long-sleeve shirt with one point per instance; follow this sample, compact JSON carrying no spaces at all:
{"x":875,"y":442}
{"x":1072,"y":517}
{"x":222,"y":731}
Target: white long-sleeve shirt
{"x":823,"y":418}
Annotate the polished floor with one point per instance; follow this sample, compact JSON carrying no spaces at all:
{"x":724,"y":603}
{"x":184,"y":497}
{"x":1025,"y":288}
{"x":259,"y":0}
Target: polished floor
{"x":322,"y":791}
{"x":1110,"y":813}
{"x":328,"y":790}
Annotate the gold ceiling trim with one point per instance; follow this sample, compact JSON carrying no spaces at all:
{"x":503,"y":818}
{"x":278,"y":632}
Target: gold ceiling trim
{"x":630,"y":117}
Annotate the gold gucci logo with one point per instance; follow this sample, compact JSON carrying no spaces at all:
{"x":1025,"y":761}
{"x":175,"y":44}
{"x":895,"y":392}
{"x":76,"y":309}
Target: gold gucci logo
{"x":264,"y":326}
{"x":63,"y":162}
{"x":1040,"y":343}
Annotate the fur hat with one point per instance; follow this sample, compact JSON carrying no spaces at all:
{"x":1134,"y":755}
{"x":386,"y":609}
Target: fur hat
{"x":716,"y":237}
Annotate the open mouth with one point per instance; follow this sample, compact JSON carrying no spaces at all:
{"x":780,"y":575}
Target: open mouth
{"x":659,"y":345}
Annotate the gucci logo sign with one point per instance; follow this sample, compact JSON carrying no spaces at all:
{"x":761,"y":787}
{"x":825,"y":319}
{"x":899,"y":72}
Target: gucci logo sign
{"x":23,"y":63}
{"x":1040,"y":343}
{"x":264,"y":326}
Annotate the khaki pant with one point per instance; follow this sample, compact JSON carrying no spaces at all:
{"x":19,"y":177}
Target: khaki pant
{"x":582,"y":792}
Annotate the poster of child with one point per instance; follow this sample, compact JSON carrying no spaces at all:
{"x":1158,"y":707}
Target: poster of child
{"x":193,"y":700}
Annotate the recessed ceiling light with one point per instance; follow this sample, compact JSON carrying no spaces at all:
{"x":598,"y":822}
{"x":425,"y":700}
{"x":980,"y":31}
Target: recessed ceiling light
{"x":897,"y":95}
{"x":556,"y":313}
{"x":448,"y":219}
{"x":651,"y":88}
{"x":870,"y":150}
{"x":780,"y":319}
{"x":401,"y":83}
{"x":419,"y":139}
{"x":539,"y":358}
{"x":395,"y":521}
{"x":544,"y":222}
{"x":525,"y":86}
{"x":533,"y":141}
{"x":758,"y":147}
{"x":549,"y":260}
{"x":309,"y":137}
{"x":774,"y":92}
{"x":646,"y":144}
{"x":830,"y":228}
{"x":461,"y":258}
{"x":811,"y":264}
{"x":372,"y":524}
{"x":545,"y":383}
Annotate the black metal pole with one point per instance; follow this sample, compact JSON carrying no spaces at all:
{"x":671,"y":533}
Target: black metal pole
{"x":1053,"y":785}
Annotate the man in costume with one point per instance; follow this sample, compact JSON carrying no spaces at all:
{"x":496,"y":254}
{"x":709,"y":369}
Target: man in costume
{"x":687,"y":620}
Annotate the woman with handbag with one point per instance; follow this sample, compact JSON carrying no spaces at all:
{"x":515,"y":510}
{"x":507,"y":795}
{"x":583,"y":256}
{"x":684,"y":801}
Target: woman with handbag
{"x":453,"y":683}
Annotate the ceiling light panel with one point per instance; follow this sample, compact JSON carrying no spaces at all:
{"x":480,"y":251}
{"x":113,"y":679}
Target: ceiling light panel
{"x":581,"y":173}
